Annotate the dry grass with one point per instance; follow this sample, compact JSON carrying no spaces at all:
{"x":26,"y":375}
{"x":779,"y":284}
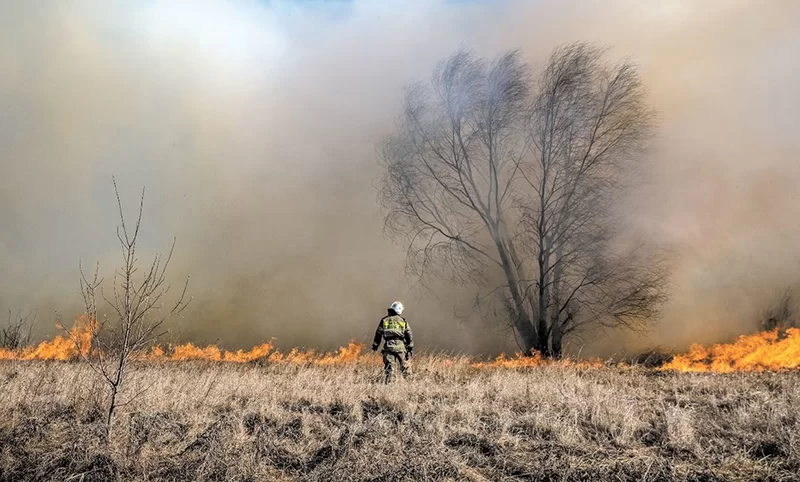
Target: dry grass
{"x":205,"y":421}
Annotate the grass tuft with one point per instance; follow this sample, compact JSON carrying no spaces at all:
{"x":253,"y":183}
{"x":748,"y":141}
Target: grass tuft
{"x":212,"y":421}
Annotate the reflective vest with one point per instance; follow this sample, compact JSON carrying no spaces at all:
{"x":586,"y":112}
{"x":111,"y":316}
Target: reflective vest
{"x":394,"y":328}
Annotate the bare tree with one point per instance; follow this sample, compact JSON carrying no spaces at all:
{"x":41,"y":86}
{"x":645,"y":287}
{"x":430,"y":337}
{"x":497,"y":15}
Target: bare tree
{"x":589,"y":125}
{"x":781,"y":314}
{"x":137,"y":309}
{"x":492,"y":176}
{"x":18,"y":331}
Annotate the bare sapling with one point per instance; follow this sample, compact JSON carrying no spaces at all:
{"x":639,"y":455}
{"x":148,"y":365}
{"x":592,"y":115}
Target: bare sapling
{"x":18,"y":331}
{"x":137,"y":311}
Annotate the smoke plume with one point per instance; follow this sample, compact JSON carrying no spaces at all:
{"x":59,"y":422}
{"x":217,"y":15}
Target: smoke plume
{"x":253,"y":127}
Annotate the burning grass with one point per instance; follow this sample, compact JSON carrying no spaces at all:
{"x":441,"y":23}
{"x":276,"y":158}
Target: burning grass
{"x":199,"y":420}
{"x":203,"y":413}
{"x":768,"y":350}
{"x":773,"y":350}
{"x":79,"y":341}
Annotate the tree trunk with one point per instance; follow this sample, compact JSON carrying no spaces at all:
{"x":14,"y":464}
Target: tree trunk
{"x":543,"y":294}
{"x":522,"y":320}
{"x":111,"y":407}
{"x":525,"y":330}
{"x":542,"y":341}
{"x":556,"y":328}
{"x":556,"y":336}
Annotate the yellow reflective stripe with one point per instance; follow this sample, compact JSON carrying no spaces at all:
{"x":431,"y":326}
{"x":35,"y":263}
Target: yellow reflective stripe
{"x":394,"y":325}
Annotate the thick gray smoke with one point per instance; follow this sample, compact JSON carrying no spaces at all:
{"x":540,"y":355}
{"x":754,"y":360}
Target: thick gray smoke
{"x":253,"y":126}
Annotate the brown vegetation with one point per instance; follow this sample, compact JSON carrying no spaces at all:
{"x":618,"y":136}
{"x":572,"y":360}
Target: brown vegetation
{"x":449,"y":421}
{"x":18,"y":331}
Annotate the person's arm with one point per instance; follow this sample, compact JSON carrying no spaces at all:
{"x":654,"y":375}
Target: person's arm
{"x":408,"y":337}
{"x":378,"y":336}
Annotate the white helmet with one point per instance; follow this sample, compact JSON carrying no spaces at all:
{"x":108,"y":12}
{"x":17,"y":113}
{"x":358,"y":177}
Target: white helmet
{"x":397,"y":307}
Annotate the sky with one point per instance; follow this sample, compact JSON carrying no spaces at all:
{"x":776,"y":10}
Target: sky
{"x":253,"y":126}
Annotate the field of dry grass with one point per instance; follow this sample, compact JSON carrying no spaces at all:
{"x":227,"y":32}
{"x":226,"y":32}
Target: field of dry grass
{"x":450,"y":421}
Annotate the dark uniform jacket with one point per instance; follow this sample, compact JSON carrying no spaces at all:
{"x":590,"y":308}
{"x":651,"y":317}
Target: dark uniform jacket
{"x":396,"y":332}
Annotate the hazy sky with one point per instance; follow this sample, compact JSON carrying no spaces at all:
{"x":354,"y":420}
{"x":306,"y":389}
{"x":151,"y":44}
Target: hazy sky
{"x":253,"y":126}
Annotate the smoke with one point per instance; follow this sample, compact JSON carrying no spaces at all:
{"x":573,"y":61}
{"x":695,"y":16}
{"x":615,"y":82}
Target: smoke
{"x":253,"y":126}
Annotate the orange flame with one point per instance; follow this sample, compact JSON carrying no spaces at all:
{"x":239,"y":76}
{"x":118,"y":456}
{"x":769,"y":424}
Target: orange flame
{"x":80,"y":336}
{"x":352,"y":353}
{"x":521,"y":361}
{"x":60,"y":347}
{"x":517,"y":361}
{"x":189,"y":351}
{"x":768,"y":350}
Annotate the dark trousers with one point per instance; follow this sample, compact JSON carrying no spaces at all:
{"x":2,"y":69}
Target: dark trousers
{"x":392,"y":361}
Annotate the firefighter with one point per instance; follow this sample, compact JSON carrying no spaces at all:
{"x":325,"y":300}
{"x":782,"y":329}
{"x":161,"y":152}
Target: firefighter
{"x":398,"y":342}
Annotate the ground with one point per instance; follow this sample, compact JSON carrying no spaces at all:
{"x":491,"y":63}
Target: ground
{"x":449,"y":421}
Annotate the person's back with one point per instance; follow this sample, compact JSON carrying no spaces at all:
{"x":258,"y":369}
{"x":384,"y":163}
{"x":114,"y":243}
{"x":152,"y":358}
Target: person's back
{"x":398,"y":344}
